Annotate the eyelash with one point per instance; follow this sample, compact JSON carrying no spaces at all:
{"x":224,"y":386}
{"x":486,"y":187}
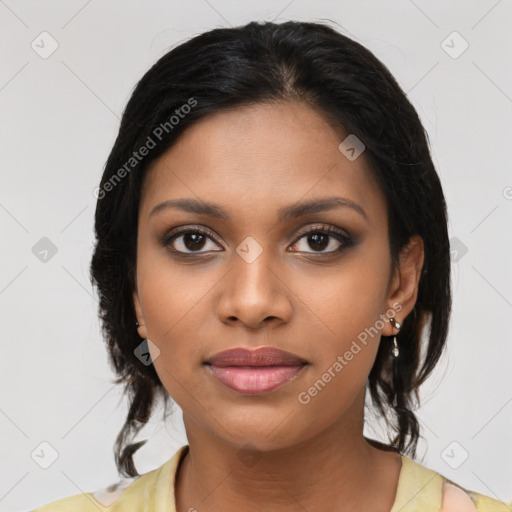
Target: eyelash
{"x":323,"y":229}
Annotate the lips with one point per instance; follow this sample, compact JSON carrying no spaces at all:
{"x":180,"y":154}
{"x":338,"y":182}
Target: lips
{"x":254,"y":372}
{"x":264,"y":356}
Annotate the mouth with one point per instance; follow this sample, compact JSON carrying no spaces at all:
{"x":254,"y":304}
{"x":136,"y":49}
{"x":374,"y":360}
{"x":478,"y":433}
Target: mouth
{"x":254,"y":372}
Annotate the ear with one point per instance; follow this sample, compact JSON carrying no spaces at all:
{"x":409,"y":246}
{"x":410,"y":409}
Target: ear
{"x":403,"y":290}
{"x":140,"y":317}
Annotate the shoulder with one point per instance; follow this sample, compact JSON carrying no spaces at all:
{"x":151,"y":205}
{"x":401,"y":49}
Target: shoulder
{"x":78,"y":503}
{"x":108,"y":499}
{"x":456,"y":498}
{"x":151,"y":491}
{"x":421,"y":488}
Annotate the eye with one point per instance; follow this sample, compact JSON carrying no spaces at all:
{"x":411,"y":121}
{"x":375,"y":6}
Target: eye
{"x":323,"y":237}
{"x":188,"y":241}
{"x":194,"y":240}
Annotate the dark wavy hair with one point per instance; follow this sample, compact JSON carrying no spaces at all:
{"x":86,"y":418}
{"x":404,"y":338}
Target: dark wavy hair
{"x":260,"y":62}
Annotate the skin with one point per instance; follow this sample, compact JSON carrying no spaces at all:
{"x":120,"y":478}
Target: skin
{"x":296,"y":296}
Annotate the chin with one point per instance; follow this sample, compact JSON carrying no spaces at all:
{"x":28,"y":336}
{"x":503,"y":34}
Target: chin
{"x":261,"y":433}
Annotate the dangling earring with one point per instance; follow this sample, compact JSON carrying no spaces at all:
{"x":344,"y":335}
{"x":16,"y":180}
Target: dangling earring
{"x":397,"y":325}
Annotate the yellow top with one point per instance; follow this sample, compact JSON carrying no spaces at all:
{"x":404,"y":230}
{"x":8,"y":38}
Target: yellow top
{"x":419,"y":490}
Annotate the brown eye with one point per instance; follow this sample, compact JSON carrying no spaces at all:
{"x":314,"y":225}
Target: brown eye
{"x":319,"y":239}
{"x":189,"y":241}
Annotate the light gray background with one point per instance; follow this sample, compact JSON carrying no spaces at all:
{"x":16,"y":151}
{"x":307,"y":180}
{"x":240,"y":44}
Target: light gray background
{"x":59,"y":119}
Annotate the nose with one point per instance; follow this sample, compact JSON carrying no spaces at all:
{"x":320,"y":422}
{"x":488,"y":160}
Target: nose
{"x":254,"y":294}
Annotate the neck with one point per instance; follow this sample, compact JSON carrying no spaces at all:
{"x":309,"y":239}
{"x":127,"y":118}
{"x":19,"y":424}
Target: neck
{"x":337,"y":468}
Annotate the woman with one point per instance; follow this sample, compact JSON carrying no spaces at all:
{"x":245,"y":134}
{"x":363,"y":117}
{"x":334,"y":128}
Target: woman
{"x":272,"y":244}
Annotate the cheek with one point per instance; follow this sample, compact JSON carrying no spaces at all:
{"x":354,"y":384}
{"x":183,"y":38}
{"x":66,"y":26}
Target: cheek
{"x":171,"y":295}
{"x":344,"y":323}
{"x":340,"y":372}
{"x":345,"y":302}
{"x":172,"y":307}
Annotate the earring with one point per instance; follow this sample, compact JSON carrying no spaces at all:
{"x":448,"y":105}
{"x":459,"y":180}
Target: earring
{"x":397,"y":325}
{"x":137,"y":324}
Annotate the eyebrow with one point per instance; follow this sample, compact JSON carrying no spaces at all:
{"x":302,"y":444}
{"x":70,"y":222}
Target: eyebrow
{"x":286,"y":213}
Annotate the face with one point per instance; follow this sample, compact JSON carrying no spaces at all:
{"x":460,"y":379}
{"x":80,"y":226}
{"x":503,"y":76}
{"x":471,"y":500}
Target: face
{"x":316,"y":283}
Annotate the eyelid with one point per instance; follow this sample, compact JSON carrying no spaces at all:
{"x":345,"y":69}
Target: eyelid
{"x":183,"y":230}
{"x":322,"y":226}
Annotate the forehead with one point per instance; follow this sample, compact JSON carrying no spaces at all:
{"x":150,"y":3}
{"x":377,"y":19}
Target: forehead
{"x":255,"y":159}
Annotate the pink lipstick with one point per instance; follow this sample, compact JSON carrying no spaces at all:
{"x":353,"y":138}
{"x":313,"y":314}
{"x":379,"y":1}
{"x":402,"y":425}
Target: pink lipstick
{"x":256,"y":371}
